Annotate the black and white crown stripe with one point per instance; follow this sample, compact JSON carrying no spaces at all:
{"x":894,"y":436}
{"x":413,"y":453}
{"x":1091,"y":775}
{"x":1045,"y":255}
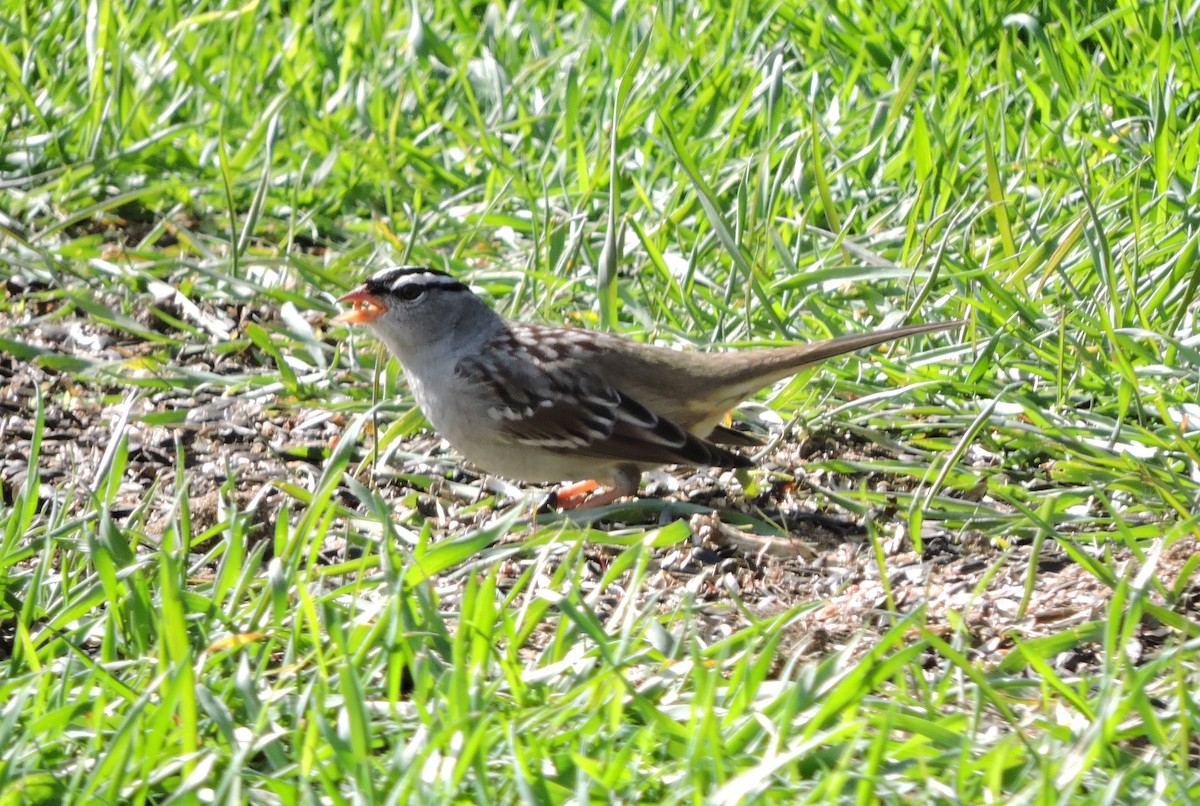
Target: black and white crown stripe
{"x":393,"y":278}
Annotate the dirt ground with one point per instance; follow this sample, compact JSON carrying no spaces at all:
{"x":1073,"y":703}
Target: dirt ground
{"x":235,"y":437}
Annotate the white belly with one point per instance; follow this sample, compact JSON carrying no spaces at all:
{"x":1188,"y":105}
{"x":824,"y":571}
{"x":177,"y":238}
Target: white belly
{"x":467,"y":426}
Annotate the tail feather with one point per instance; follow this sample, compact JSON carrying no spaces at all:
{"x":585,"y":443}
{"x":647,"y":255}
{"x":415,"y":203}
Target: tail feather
{"x":771,"y":365}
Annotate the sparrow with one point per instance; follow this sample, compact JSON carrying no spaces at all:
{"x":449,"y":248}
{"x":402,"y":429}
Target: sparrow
{"x":537,"y":403}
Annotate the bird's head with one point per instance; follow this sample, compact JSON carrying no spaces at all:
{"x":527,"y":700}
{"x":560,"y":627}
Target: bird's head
{"x":413,"y":308}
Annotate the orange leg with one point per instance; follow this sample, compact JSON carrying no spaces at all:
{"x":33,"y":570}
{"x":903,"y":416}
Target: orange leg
{"x":588,"y":495}
{"x":575,"y":496}
{"x":624,"y":483}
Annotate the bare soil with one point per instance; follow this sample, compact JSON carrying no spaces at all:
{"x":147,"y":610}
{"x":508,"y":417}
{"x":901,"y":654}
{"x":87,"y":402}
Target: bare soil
{"x":236,"y":440}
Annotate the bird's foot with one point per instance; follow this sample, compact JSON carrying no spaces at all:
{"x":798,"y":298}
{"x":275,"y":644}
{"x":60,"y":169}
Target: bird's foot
{"x":575,"y":496}
{"x":586,"y":495}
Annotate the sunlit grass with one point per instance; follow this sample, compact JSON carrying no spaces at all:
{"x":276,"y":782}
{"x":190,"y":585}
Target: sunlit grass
{"x":187,"y":191}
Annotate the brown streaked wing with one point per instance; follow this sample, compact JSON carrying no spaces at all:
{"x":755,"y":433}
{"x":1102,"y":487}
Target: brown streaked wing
{"x":551,"y":400}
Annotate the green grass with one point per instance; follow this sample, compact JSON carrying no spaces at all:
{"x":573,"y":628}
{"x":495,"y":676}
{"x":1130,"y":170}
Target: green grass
{"x":186,"y":190}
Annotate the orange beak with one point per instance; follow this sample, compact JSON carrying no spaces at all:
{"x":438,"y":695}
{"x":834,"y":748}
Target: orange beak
{"x":367,"y":307}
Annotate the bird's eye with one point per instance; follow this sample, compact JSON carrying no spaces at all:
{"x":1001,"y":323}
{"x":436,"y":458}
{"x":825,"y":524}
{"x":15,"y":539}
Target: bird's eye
{"x":410,"y":292}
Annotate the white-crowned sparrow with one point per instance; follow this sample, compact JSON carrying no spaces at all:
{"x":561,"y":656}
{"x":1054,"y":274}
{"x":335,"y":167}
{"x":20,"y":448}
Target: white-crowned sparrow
{"x":543,"y":404}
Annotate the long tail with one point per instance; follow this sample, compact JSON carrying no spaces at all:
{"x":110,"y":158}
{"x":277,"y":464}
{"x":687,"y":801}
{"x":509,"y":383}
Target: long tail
{"x":771,"y":365}
{"x":696,"y":393}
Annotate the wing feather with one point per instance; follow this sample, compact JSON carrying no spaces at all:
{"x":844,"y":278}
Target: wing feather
{"x":547,"y":395}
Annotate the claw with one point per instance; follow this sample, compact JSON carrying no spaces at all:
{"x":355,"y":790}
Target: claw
{"x":576,"y":496}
